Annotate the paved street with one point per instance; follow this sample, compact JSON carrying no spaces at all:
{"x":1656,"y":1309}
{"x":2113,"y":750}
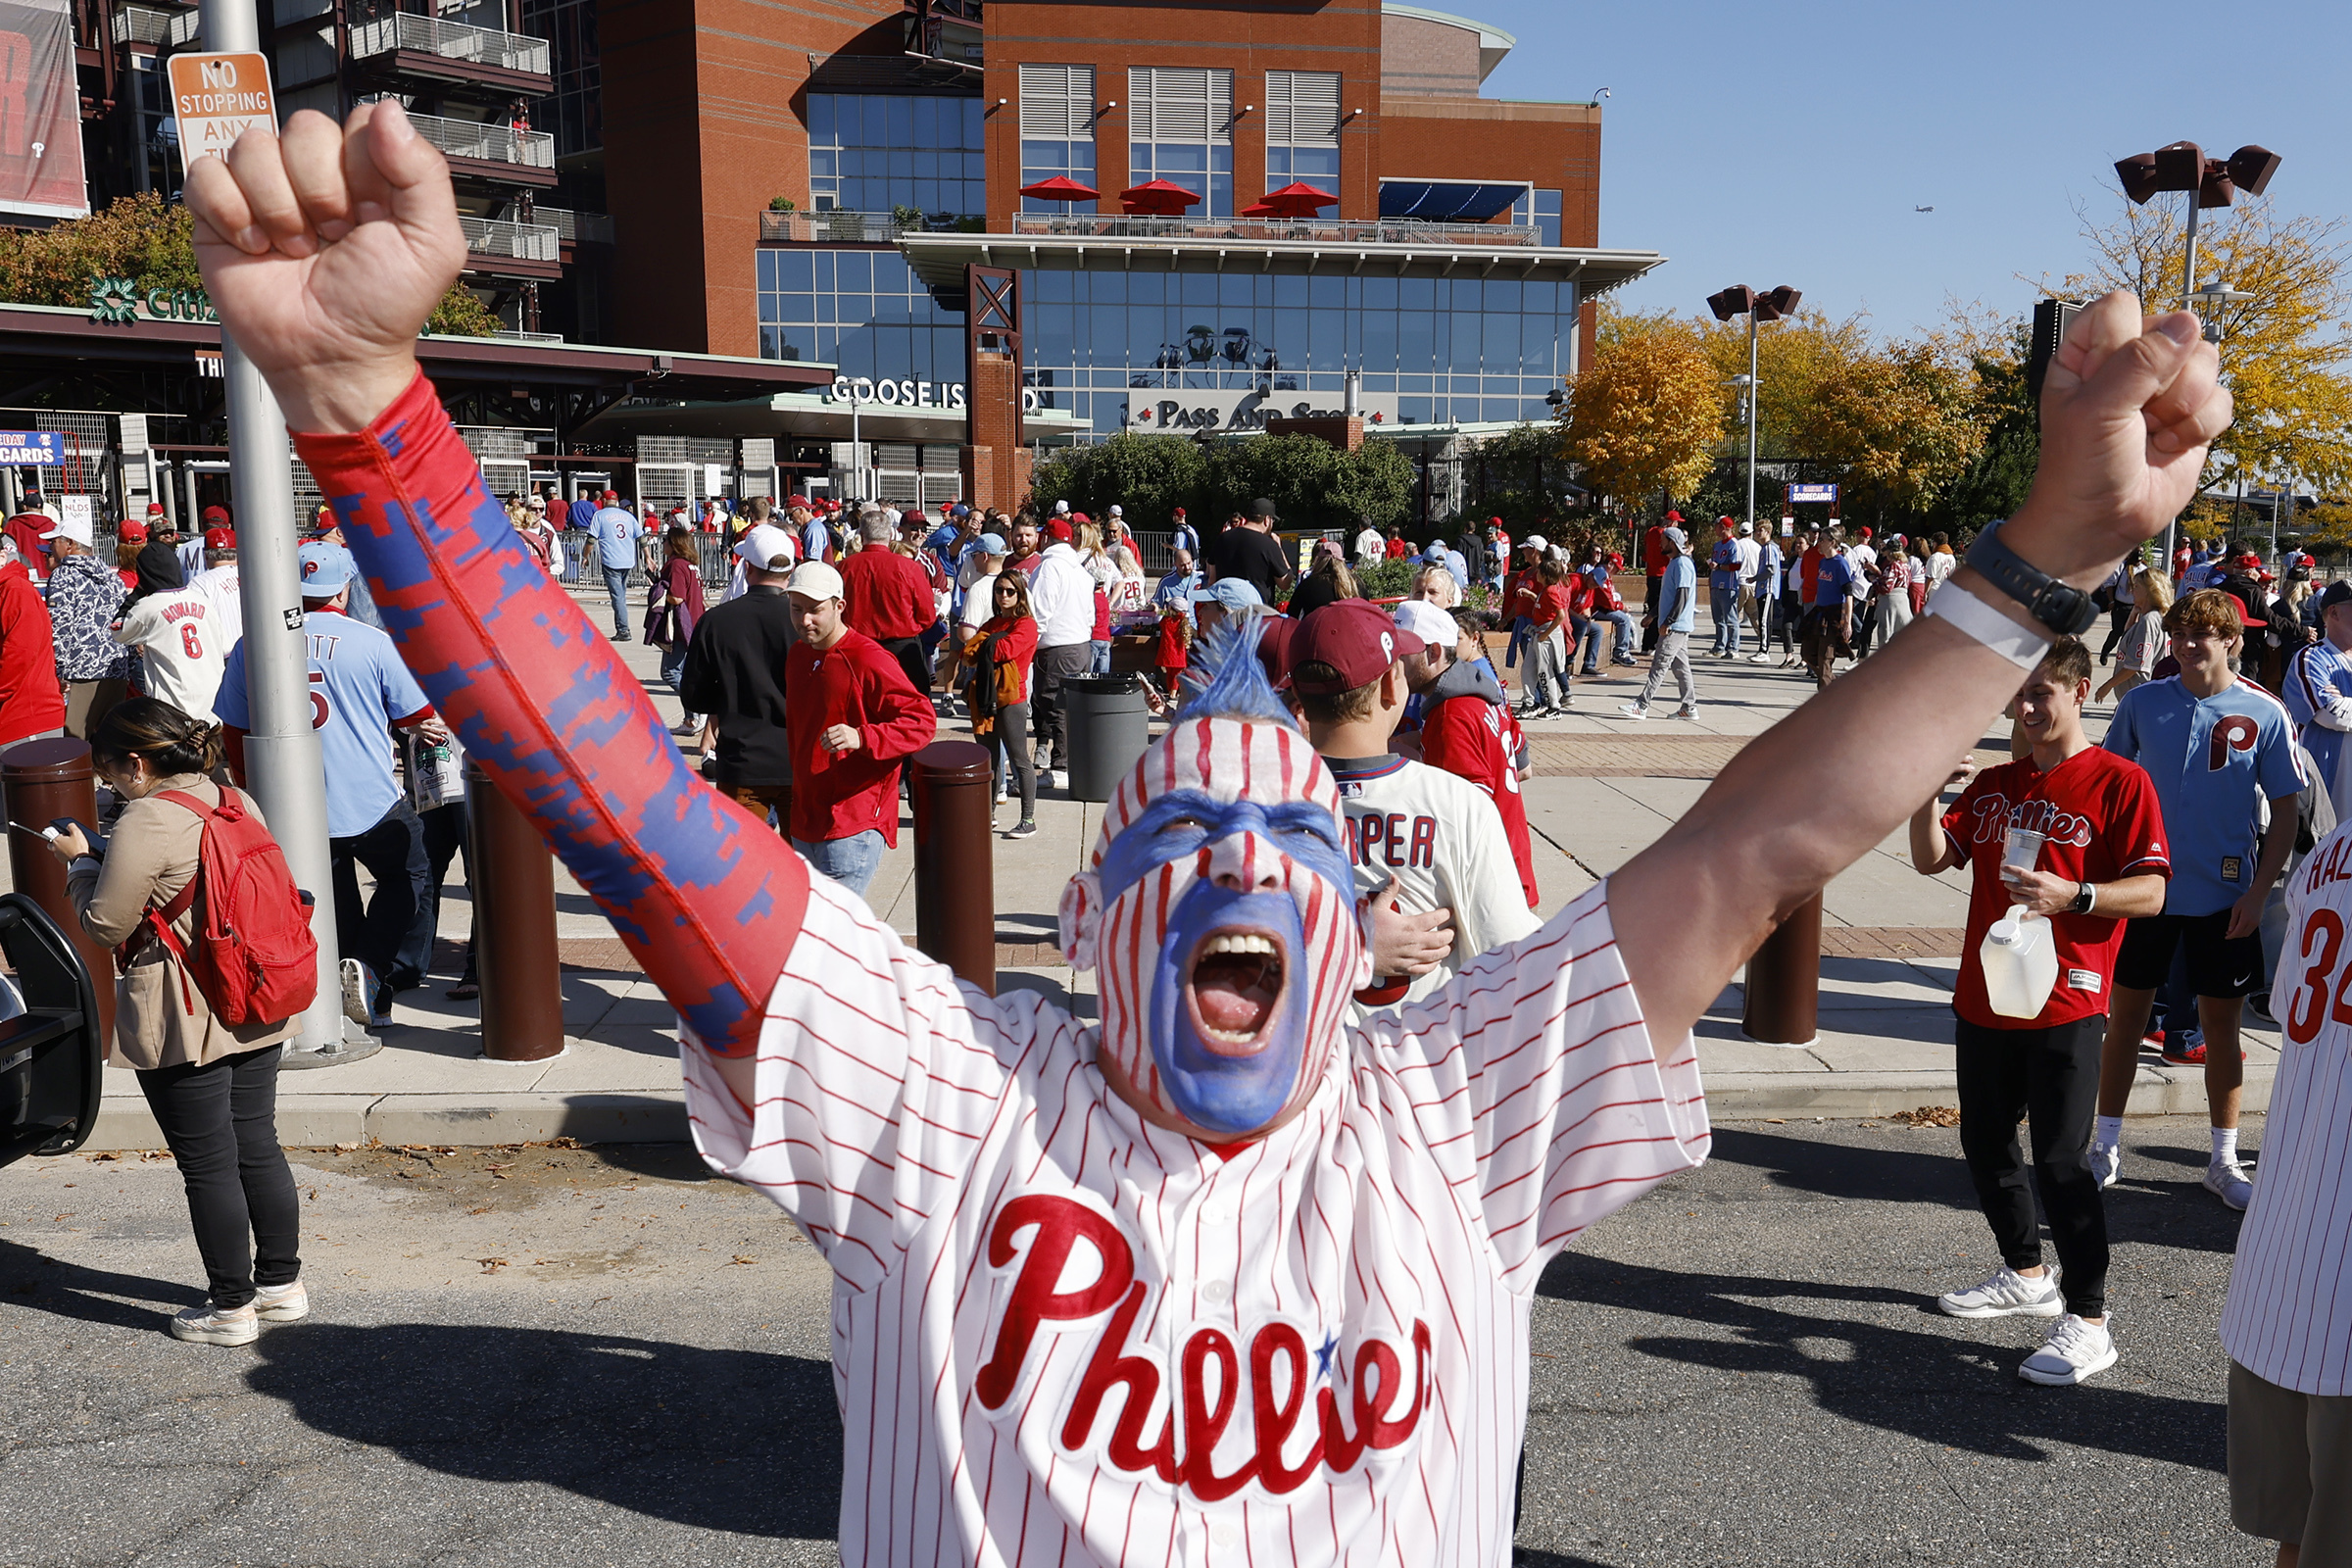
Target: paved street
{"x":551,"y":1355}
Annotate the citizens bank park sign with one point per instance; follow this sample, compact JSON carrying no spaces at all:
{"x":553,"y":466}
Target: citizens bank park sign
{"x":948,"y":395}
{"x":1178,"y":410}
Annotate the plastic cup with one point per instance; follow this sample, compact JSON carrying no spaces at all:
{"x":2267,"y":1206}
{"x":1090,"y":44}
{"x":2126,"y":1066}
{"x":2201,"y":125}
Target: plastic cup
{"x":2022,"y":851}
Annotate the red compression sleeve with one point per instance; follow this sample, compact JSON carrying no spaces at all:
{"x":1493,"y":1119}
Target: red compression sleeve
{"x":708,"y":903}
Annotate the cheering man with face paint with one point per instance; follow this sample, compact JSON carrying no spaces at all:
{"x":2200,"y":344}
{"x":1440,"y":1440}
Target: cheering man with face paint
{"x":1218,"y":1279}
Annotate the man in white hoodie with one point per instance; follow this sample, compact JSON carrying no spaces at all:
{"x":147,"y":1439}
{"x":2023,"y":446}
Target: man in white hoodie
{"x":1063,"y":596}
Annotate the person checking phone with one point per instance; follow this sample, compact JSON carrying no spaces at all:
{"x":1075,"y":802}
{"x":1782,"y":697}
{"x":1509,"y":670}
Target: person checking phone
{"x":2072,"y":834}
{"x":852,"y":714}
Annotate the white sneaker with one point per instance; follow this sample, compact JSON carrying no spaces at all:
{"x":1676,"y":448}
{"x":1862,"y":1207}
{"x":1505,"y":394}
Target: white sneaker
{"x":212,"y":1325}
{"x":1058,"y":779}
{"x":359,"y":991}
{"x":281,"y":1304}
{"x":1686,"y":713}
{"x":2227,"y":1180}
{"x":2007,"y":1294}
{"x":2106,"y":1165}
{"x":1632,"y":710}
{"x":2074,"y":1351}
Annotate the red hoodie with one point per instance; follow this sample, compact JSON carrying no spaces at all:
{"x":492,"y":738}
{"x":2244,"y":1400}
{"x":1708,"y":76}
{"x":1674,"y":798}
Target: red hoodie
{"x":852,"y":682}
{"x":30,"y":700}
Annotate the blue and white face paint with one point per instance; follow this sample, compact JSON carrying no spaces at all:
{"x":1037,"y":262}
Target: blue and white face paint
{"x":1221,"y":922}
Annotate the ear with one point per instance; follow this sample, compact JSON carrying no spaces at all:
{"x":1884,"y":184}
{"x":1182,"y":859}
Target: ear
{"x":1081,"y":919}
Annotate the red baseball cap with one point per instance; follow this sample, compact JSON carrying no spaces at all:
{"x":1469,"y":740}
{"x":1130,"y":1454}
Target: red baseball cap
{"x":612,"y":495}
{"x":132,"y":531}
{"x":1356,"y":638}
{"x":219,"y":539}
{"x":155,"y":509}
{"x":1058,"y":527}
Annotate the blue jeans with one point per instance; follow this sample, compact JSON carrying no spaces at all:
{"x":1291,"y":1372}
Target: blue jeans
{"x":1523,"y":631}
{"x":616,"y":583}
{"x":674,"y":665}
{"x":1623,"y":651}
{"x":1724,"y":603}
{"x":850,"y":862}
{"x":1099,"y":663}
{"x":392,"y":933}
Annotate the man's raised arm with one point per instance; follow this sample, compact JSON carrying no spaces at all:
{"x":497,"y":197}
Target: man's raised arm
{"x":2127,"y":409}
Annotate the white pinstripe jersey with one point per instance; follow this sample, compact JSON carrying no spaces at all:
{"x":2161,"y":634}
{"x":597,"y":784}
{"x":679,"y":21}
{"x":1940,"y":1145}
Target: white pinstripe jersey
{"x":2288,"y":1320}
{"x":1061,"y":1334}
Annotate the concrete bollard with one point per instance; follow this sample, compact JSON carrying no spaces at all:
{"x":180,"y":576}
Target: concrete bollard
{"x":40,"y":780}
{"x":954,"y":859}
{"x":1783,"y":981}
{"x":514,"y":928}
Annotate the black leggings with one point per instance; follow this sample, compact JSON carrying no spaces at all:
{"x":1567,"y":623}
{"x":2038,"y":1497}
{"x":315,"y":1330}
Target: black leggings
{"x":2119,"y":615}
{"x":221,"y":1121}
{"x":2051,"y":1078}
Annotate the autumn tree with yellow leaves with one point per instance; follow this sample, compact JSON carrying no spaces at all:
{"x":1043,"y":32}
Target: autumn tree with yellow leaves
{"x":1646,"y":417}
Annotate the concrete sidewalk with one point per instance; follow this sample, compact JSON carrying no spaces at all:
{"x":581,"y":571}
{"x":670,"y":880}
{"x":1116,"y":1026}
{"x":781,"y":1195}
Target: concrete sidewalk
{"x":1602,"y":788}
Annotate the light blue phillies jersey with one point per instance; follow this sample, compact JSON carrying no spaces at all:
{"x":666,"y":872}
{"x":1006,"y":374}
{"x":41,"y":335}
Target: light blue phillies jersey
{"x":2319,"y":698}
{"x":358,"y":688}
{"x":2212,"y":762}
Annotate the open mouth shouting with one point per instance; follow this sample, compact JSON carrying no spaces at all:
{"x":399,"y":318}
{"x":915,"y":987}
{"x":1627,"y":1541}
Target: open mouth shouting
{"x":1233,"y":988}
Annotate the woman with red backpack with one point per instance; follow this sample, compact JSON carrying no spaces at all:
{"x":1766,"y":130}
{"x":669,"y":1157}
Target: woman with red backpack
{"x":207,"y":932}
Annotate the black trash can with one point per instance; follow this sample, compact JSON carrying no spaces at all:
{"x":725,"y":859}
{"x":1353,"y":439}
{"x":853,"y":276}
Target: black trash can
{"x":1108,"y":726}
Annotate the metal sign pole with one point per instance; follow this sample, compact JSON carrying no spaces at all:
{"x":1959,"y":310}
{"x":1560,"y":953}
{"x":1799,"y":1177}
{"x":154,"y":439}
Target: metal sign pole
{"x":283,"y":758}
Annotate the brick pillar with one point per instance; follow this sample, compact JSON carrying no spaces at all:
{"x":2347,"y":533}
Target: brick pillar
{"x":995,"y":464}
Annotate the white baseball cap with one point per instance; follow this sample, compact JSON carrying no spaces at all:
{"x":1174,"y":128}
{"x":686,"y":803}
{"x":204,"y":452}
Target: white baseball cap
{"x":1428,"y":622}
{"x":1117,"y":512}
{"x":78,"y":531}
{"x":762,"y":545}
{"x":814,"y":579}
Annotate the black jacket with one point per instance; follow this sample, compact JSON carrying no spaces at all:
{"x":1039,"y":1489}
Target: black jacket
{"x":735,"y":673}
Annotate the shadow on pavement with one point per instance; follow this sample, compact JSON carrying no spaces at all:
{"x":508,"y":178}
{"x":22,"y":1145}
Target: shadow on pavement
{"x":1932,"y":1387}
{"x":742,"y":1440}
{"x":29,"y":1278}
{"x":1845,"y":1170}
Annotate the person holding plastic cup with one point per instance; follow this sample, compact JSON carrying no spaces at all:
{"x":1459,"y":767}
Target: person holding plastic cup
{"x":2065,"y":845}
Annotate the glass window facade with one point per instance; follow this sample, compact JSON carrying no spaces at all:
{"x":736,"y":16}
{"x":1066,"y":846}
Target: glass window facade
{"x":1542,"y":208}
{"x":574,"y":111}
{"x":1180,"y":121}
{"x":874,"y":152}
{"x":1302,"y":143}
{"x":1448,"y":348}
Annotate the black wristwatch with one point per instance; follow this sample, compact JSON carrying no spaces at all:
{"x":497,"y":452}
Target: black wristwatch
{"x":2060,"y":606}
{"x":2086,"y":896}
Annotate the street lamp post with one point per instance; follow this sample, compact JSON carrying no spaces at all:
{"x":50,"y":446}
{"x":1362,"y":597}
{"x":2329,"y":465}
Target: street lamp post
{"x":1740,"y":300}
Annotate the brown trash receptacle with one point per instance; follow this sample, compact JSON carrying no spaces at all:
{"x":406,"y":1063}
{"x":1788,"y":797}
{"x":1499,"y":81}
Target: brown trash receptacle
{"x":40,"y":780}
{"x":1783,"y":981}
{"x":513,"y":926}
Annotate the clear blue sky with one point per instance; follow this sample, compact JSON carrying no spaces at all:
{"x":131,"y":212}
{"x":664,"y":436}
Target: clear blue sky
{"x":1789,"y":143}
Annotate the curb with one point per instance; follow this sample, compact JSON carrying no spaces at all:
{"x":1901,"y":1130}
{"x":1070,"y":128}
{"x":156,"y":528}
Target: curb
{"x":319,"y":1121}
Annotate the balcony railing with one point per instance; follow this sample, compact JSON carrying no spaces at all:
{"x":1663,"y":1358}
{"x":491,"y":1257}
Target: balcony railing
{"x":149,"y":25}
{"x":853,"y":227}
{"x":595,"y":229}
{"x":523,"y":242}
{"x":1337,"y":231}
{"x":511,"y":335}
{"x":498,"y":144}
{"x":456,"y":40}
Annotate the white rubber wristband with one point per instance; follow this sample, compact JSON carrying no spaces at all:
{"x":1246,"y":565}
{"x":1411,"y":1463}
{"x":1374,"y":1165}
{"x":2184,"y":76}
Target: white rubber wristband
{"x":1963,"y":611}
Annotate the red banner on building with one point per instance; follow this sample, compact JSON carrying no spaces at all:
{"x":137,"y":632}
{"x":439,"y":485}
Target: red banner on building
{"x":40,"y":112}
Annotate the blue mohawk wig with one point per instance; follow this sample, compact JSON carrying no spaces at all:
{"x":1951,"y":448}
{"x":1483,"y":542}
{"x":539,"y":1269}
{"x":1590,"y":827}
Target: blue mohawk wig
{"x":1226,"y":679}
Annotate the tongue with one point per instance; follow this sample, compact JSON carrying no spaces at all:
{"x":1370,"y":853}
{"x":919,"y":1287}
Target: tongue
{"x":1232,"y":993}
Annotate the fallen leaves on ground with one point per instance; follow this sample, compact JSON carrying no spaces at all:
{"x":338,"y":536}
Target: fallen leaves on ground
{"x":1929,"y":1116}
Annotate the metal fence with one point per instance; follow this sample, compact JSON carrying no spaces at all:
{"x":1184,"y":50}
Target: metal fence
{"x":496,"y":143}
{"x":453,"y":40}
{"x":523,"y":242}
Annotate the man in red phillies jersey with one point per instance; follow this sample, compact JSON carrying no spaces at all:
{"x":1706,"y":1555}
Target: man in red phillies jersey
{"x":1466,"y":728}
{"x":1213,"y":1278}
{"x":887,"y":596}
{"x":851,"y":716}
{"x":2099,"y":861}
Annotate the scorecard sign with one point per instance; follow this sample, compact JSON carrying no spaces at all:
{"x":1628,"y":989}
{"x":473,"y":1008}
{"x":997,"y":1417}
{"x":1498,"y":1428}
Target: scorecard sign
{"x":218,"y":98}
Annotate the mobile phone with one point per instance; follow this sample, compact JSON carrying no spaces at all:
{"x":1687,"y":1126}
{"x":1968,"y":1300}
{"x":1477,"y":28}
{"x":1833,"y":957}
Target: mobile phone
{"x":37,"y":832}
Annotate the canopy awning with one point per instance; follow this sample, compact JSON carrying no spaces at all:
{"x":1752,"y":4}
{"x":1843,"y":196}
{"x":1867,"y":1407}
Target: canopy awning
{"x":1446,"y":201}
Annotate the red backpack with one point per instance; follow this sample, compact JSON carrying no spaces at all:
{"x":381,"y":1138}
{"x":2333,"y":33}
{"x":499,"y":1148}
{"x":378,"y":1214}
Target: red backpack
{"x":255,"y":959}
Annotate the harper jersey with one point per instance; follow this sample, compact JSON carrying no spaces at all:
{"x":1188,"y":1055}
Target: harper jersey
{"x":2318,"y":698}
{"x":2213,"y":761}
{"x":1442,"y":839}
{"x":2101,"y":823}
{"x":2289,"y":1319}
{"x":1063,"y":1334}
{"x":183,"y":645}
{"x":359,"y":690}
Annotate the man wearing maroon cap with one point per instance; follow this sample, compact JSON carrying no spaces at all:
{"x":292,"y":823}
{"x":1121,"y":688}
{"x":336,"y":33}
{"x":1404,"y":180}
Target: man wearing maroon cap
{"x":1417,"y":835}
{"x":888,"y":597}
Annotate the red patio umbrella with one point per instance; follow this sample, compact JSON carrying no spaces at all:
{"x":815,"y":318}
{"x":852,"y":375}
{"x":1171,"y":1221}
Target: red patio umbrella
{"x":1157,"y":197}
{"x":1061,"y":188}
{"x":1292,"y":200}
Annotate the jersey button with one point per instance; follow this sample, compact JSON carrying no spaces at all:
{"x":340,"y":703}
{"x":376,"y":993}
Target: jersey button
{"x":1216,"y":1289}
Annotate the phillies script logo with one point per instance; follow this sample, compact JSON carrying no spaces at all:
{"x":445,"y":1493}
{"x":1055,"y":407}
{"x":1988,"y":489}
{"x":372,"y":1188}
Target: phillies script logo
{"x":1996,"y":817}
{"x":1289,"y":1440}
